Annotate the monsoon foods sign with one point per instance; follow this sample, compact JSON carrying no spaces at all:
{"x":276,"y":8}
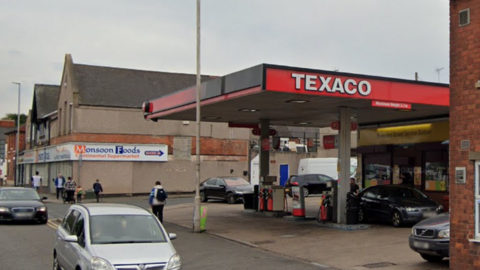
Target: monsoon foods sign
{"x":119,"y":152}
{"x":100,"y":152}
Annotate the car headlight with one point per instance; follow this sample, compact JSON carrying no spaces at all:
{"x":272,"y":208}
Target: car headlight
{"x":174,"y":263}
{"x":238,"y":192}
{"x":413,"y":231}
{"x":411,"y":209}
{"x":4,"y":209}
{"x":444,"y":234}
{"x":97,"y":263}
{"x":41,"y":209}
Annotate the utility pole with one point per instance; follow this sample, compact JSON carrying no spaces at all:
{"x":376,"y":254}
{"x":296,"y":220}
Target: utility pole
{"x":17,"y":147}
{"x":197,"y":203}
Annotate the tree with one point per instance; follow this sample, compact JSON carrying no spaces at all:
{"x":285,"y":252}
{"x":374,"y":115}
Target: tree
{"x":13,"y":116}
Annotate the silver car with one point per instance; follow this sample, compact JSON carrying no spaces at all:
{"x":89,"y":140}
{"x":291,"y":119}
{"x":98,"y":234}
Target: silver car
{"x":113,"y":236}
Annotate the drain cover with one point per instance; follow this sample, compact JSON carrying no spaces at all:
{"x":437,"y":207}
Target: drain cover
{"x":378,"y":265}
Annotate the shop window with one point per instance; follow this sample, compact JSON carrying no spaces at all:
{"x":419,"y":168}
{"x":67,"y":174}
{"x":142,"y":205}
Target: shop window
{"x":436,"y":171}
{"x":377,"y":170}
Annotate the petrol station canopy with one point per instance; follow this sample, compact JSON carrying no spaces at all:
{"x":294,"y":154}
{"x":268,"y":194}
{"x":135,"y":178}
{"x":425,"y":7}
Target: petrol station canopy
{"x":291,"y":96}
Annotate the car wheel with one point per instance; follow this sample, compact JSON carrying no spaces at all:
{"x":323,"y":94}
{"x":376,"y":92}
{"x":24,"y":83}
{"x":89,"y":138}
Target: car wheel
{"x":203,"y":197}
{"x":231,"y":198}
{"x":431,"y":258}
{"x":305,"y":192}
{"x":362,"y":218}
{"x":56,"y":266}
{"x":396,"y":219}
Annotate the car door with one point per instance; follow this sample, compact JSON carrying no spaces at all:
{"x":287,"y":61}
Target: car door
{"x":315,"y":184}
{"x":64,"y":253}
{"x":78,"y":250}
{"x":369,"y":201}
{"x":208,"y":187}
{"x":383,"y":204}
{"x":221,"y":188}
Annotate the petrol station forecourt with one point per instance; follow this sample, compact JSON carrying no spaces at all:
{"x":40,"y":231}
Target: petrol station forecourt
{"x":271,"y":95}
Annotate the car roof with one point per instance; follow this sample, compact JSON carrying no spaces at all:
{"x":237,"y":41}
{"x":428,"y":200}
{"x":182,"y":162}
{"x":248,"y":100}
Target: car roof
{"x":100,"y":209}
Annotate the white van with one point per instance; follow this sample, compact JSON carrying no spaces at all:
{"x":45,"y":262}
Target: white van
{"x":327,"y":166}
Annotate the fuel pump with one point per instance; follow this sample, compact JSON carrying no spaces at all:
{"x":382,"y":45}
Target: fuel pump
{"x":270,"y":199}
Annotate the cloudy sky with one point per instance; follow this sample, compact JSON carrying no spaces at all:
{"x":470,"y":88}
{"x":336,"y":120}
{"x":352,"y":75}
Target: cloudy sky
{"x":391,"y":38}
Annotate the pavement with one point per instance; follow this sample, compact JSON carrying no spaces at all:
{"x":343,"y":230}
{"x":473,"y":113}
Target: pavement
{"x":379,"y":246}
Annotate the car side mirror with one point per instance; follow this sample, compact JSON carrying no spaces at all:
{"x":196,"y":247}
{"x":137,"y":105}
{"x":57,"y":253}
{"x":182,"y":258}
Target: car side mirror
{"x":44,"y":198}
{"x":172,"y":236}
{"x":71,"y":239}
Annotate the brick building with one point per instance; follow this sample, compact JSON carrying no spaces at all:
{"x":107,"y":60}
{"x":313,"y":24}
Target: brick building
{"x":11,"y":153}
{"x":464,"y":134}
{"x":91,"y":127}
{"x":5,"y":125}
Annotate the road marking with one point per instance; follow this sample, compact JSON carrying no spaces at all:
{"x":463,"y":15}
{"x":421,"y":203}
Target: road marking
{"x":52,"y":224}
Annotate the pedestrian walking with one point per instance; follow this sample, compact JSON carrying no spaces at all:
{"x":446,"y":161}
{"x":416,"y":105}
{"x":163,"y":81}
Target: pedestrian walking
{"x":97,"y":188}
{"x":79,"y":194}
{"x":70,"y":188}
{"x":37,"y":181}
{"x":59,"y":184}
{"x":158,"y":199}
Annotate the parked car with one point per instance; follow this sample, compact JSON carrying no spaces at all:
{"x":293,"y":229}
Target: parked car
{"x":396,"y":203}
{"x":431,"y":238}
{"x":22,"y":204}
{"x":312,"y":183}
{"x":229,"y":188}
{"x":113,"y":236}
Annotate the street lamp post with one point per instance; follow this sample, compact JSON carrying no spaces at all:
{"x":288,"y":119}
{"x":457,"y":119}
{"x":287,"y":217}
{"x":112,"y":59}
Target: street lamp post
{"x":17,"y":147}
{"x":197,"y":203}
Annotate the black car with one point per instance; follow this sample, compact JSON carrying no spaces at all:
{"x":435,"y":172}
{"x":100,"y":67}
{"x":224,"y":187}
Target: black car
{"x":229,"y":188}
{"x":312,"y":183}
{"x":396,"y":203}
{"x":431,"y":238}
{"x":22,"y":204}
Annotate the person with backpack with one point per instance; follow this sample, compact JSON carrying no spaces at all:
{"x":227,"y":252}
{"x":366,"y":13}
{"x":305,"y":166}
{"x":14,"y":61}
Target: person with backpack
{"x":158,"y":199}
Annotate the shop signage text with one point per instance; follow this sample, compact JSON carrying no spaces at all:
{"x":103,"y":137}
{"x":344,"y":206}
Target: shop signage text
{"x":101,"y":152}
{"x":331,"y":84}
{"x":389,"y":104}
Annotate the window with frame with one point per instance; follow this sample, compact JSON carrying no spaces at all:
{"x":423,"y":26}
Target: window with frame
{"x":69,"y":221}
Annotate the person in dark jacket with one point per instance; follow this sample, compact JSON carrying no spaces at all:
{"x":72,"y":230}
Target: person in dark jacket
{"x":97,"y":188}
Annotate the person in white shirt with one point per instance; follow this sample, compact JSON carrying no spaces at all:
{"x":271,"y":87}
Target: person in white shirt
{"x":37,"y":181}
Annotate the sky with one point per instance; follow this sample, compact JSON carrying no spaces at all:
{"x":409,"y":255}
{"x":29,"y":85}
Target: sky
{"x":388,"y":38}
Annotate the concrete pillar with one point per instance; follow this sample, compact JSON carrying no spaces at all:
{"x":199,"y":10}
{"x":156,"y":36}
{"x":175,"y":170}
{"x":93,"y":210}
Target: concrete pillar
{"x":344,"y":159}
{"x":264,"y":154}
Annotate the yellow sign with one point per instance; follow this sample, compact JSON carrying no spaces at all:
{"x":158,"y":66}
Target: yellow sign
{"x":434,"y":132}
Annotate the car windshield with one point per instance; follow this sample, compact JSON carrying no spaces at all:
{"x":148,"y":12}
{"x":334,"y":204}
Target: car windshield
{"x":236,"y":181}
{"x":404,"y":192}
{"x":125,"y":229}
{"x":18,"y":195}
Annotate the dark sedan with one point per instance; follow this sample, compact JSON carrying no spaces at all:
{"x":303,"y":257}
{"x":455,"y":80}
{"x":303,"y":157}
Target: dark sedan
{"x":228,"y":188}
{"x":312,"y":183}
{"x":396,"y":203}
{"x":431,"y":238}
{"x":22,"y":204}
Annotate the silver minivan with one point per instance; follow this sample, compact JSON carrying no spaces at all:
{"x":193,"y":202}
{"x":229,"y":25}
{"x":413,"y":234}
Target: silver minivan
{"x":113,"y":236}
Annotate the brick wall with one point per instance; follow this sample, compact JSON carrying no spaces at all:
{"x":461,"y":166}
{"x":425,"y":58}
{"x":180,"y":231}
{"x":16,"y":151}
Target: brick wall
{"x":464,"y":125}
{"x":209,"y":146}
